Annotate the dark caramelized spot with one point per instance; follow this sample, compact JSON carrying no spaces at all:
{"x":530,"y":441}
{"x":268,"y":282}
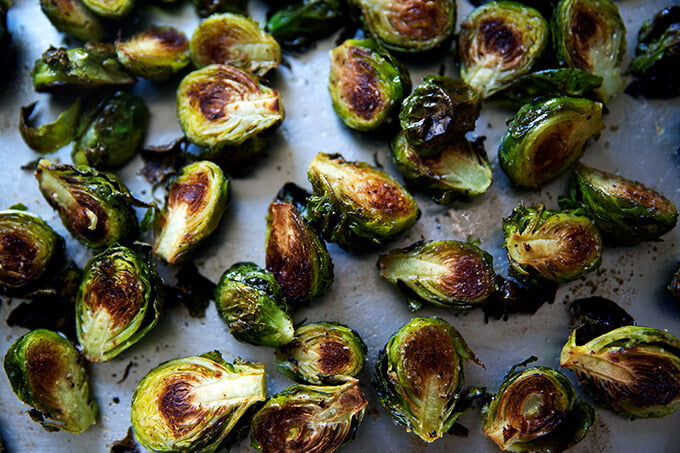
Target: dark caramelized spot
{"x":175,"y":406}
{"x":18,"y":256}
{"x":553,"y":151}
{"x":211,"y":97}
{"x":116,"y":290}
{"x":223,"y":86}
{"x":286,"y":429}
{"x":642,"y":195}
{"x":216,"y":49}
{"x":578,"y":244}
{"x":420,"y":20}
{"x":360,"y":84}
{"x":44,"y":369}
{"x":380,"y":195}
{"x":583,"y":25}
{"x":430,"y":357}
{"x":498,"y":38}
{"x":88,"y":218}
{"x":169,"y":38}
{"x":192,"y":192}
{"x":469,"y":278}
{"x":584,"y":31}
{"x":334,"y":357}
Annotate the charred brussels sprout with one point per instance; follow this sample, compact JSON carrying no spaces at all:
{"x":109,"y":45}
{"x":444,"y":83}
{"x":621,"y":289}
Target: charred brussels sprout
{"x":559,"y":246}
{"x":75,"y":19}
{"x":47,"y":373}
{"x":357,"y":206}
{"x":536,"y":410}
{"x":595,"y":316}
{"x":250,"y":301}
{"x":323,"y":353}
{"x":205,"y":8}
{"x":298,"y":23}
{"x":366,"y":84}
{"x":192,"y":403}
{"x":674,"y":284}
{"x":92,"y":205}
{"x":451,"y":274}
{"x":49,"y":137}
{"x":196,"y":201}
{"x":590,"y":35}
{"x":546,"y":137}
{"x":156,"y":53}
{"x":111,"y":9}
{"x":306,"y":418}
{"x":498,"y":42}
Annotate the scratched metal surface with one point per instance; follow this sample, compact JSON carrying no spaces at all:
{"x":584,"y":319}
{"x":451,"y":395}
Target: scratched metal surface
{"x":640,"y":142}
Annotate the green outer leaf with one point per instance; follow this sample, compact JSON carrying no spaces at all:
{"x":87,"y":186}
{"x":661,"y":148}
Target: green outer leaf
{"x":75,"y":19}
{"x":116,"y":9}
{"x":301,"y":22}
{"x":49,"y":137}
{"x":155,"y":53}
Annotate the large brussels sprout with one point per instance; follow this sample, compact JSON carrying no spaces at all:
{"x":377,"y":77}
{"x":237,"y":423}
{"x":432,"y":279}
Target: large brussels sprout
{"x":156,"y":53}
{"x":298,"y":23}
{"x":251,"y":302}
{"x":322,"y":353}
{"x":309,"y":418}
{"x":419,"y":374}
{"x":75,"y":19}
{"x":356,"y":205}
{"x":112,"y":9}
{"x":47,"y":373}
{"x":49,"y":137}
{"x":674,"y":284}
{"x":205,"y":8}
{"x":500,"y":41}
{"x":590,"y":35}
{"x":633,"y":370}
{"x":545,"y":244}
{"x":192,"y":403}
{"x":450,"y":274}
{"x":536,"y":410}
{"x":92,"y":205}
{"x":366,"y":84}
{"x":595,"y":316}
{"x":546,"y":137}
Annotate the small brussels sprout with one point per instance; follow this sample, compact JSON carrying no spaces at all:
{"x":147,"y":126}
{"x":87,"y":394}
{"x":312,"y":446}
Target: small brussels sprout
{"x":419,"y":374}
{"x":205,"y":8}
{"x":536,"y":410}
{"x":633,"y":370}
{"x":461,"y":171}
{"x":111,"y":9}
{"x":451,"y":274}
{"x":545,"y":244}
{"x":47,"y":138}
{"x":156,"y":53}
{"x":356,"y":205}
{"x":674,"y":284}
{"x":590,"y":35}
{"x":234,"y":40}
{"x":92,"y":205}
{"x":626,"y":211}
{"x":306,"y":418}
{"x":546,"y":137}
{"x":322,"y":353}
{"x":47,"y":373}
{"x":27,"y":248}
{"x":439,"y":110}
{"x":298,"y":23}
{"x":366,"y":84}
{"x":251,"y":302}
{"x":500,"y":41}
{"x":75,"y":19}
{"x":192,"y":403}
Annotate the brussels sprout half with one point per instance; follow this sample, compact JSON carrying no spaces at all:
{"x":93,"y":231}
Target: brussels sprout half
{"x":156,"y":53}
{"x":47,"y":373}
{"x":297,"y":23}
{"x":192,"y":403}
{"x":111,"y":9}
{"x":75,"y":19}
{"x":49,"y":137}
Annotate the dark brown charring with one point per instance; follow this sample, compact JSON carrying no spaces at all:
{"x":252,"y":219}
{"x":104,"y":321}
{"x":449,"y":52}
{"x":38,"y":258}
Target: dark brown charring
{"x":215,"y":48}
{"x":553,"y":150}
{"x":359,"y":84}
{"x":469,"y":278}
{"x":334,"y":356}
{"x":80,"y":218}
{"x":175,"y":406}
{"x":420,"y":20}
{"x":429,"y":356}
{"x":291,"y":429}
{"x":116,"y":290}
{"x":642,"y":195}
{"x":169,"y":38}
{"x":210,"y":98}
{"x":17,"y":258}
{"x":584,"y":29}
{"x":44,"y":371}
{"x":578,"y":244}
{"x":192,"y":191}
{"x":379,"y":194}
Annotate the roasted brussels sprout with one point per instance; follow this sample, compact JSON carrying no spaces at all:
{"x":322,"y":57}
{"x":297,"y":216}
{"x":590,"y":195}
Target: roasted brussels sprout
{"x":111,"y":9}
{"x":366,"y":84}
{"x":595,"y":316}
{"x":196,"y":201}
{"x":450,"y":274}
{"x":192,"y":403}
{"x":419,"y":374}
{"x":205,"y":8}
{"x":49,"y":137}
{"x":234,"y":40}
{"x":500,"y":41}
{"x":47,"y":373}
{"x":626,"y":211}
{"x":545,"y":244}
{"x":674,"y":284}
{"x":633,"y":370}
{"x":322,"y":353}
{"x":75,"y":19}
{"x":92,"y":205}
{"x":460,"y":172}
{"x":546,"y":137}
{"x":438,"y":111}
{"x":536,"y":410}
{"x":155,"y":53}
{"x":590,"y":35}
{"x":251,"y":302}
{"x":306,"y":418}
{"x":298,"y":23}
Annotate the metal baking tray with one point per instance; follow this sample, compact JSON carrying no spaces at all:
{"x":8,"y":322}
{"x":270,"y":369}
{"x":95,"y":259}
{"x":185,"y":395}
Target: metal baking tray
{"x":640,"y":142}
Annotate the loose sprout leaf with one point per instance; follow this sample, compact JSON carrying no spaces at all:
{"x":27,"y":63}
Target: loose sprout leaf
{"x":595,"y":316}
{"x":192,"y":290}
{"x":49,"y":137}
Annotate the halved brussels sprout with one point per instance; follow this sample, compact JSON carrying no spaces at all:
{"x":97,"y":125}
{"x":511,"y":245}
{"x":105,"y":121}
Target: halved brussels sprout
{"x":500,"y":41}
{"x":356,"y":205}
{"x":559,"y":246}
{"x":156,"y":53}
{"x":309,"y":418}
{"x":205,"y":8}
{"x":192,"y":403}
{"x":590,"y":35}
{"x":322,"y":353}
{"x":47,"y":373}
{"x":633,"y":370}
{"x":27,"y":248}
{"x":111,"y":9}
{"x":92,"y":205}
{"x":75,"y":19}
{"x":49,"y":137}
{"x":536,"y":410}
{"x":451,"y":274}
{"x":251,"y":302}
{"x":196,"y":201}
{"x":419,"y":374}
{"x":674,"y":284}
{"x":297,"y":23}
{"x":234,"y":40}
{"x":461,"y":171}
{"x":595,"y":316}
{"x":546,"y":137}
{"x":366,"y":84}
{"x":438,"y":111}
